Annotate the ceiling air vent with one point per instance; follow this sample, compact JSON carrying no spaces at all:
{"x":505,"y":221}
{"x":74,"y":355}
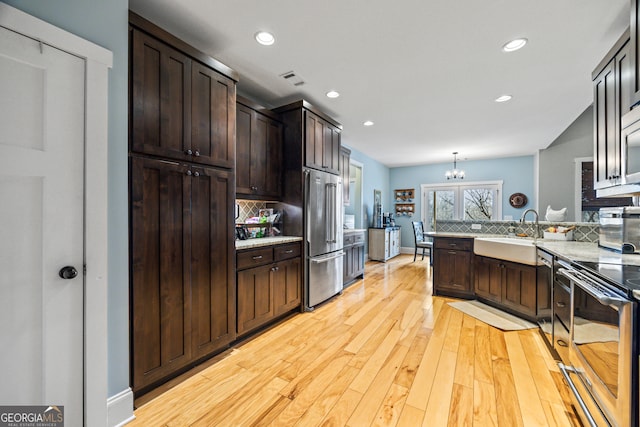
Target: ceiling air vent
{"x":292,"y":78}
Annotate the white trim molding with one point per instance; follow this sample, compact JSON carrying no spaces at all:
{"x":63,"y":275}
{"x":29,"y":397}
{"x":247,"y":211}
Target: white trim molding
{"x":98,"y":60}
{"x":119,"y":408}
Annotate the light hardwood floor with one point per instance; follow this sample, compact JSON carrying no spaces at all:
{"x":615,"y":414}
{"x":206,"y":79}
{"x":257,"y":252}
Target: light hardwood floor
{"x":385,"y":352}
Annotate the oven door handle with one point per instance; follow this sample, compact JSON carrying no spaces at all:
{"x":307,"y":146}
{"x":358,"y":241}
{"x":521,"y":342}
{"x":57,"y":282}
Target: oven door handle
{"x":565,"y":373}
{"x":587,"y":287}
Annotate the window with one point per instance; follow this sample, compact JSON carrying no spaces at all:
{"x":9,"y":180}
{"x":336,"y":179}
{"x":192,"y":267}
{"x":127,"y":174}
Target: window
{"x":471,"y":201}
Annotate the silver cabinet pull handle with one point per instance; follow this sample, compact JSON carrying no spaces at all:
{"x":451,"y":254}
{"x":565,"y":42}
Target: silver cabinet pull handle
{"x":257,"y":257}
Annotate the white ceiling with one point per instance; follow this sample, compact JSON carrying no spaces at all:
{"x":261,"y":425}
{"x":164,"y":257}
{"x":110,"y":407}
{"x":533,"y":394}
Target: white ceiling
{"x":425,"y":71}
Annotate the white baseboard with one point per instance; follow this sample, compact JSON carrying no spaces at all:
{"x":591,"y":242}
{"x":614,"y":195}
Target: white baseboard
{"x":120,"y":408}
{"x":405,"y":250}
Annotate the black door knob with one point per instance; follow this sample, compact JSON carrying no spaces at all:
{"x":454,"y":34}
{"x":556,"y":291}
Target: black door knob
{"x":68,"y":272}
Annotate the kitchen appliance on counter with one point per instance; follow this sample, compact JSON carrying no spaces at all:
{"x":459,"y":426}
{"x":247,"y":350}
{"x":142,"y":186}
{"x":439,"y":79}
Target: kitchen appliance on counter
{"x":620,"y":229}
{"x":602,"y":366}
{"x":323,"y":235}
{"x":388,"y":220}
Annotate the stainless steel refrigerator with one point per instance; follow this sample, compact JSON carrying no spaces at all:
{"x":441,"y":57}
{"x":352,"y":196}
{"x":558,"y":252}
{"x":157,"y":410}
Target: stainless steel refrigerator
{"x":323,"y":236}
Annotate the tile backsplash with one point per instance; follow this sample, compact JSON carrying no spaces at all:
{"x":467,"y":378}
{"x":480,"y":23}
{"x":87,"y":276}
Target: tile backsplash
{"x":584,"y":232}
{"x":248,"y":209}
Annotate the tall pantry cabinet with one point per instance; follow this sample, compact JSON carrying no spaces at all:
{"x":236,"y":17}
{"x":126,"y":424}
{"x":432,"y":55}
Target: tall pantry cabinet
{"x":182,"y":189}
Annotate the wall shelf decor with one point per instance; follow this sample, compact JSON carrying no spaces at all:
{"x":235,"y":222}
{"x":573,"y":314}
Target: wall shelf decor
{"x":405,"y":209}
{"x":404,"y":195}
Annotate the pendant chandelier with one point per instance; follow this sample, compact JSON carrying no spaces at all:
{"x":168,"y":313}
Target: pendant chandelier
{"x":455,"y":173}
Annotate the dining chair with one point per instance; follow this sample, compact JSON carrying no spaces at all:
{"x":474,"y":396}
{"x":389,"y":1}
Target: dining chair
{"x":421,"y":242}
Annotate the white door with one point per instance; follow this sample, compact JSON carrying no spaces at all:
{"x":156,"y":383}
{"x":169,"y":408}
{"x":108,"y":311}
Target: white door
{"x":41,"y":225}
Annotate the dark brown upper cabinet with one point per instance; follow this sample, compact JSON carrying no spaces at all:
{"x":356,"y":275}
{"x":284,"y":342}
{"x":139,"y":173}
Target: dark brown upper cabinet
{"x":322,"y":144}
{"x":181,"y":108}
{"x":611,"y":100}
{"x":259,"y":145}
{"x":634,"y":90}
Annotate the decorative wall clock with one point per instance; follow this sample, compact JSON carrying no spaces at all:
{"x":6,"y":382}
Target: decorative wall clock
{"x":517,"y":200}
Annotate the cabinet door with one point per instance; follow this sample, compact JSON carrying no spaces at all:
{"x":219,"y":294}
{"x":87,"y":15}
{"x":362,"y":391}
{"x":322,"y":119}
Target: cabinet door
{"x":330,"y":148}
{"x":313,"y":140}
{"x":607,"y":162}
{"x":160,"y":273}
{"x":243,"y":149}
{"x":255,"y":298}
{"x":287,"y":289}
{"x":635,"y":52}
{"x":212,"y":252}
{"x":273,"y":159}
{"x":519,"y":288}
{"x":347,"y":268}
{"x":345,"y":170}
{"x":358,"y":260}
{"x":213,"y":117}
{"x":160,"y":98}
{"x":488,"y":278}
{"x":452,"y":270}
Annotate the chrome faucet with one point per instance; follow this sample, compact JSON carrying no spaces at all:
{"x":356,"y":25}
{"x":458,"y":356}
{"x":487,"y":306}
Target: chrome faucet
{"x":537,"y":229}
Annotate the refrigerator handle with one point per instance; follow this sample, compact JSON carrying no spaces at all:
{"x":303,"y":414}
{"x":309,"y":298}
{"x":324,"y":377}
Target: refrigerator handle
{"x":307,"y":191}
{"x":335,"y":213}
{"x":328,"y":227}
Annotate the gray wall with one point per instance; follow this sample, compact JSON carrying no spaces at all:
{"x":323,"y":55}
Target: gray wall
{"x":106,"y":23}
{"x":557,"y":167}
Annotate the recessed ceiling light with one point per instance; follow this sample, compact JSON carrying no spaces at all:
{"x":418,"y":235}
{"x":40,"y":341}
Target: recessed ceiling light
{"x":265,"y":38}
{"x":514,"y":45}
{"x":503,"y":98}
{"x":368,"y":123}
{"x":332,"y":94}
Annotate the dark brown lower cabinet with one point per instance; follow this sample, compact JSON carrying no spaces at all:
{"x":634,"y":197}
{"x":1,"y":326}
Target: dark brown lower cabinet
{"x":453,"y":267}
{"x":182,"y":278}
{"x":353,"y":267}
{"x":511,"y":285}
{"x":269,"y":284}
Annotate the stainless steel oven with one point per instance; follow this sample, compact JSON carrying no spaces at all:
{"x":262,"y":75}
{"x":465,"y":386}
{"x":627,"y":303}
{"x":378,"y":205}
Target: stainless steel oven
{"x":603,"y":358}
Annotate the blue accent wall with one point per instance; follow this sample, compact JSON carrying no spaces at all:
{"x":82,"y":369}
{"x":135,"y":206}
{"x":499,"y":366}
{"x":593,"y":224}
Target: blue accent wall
{"x":517,"y":174}
{"x":105,"y":23}
{"x":375,"y":176}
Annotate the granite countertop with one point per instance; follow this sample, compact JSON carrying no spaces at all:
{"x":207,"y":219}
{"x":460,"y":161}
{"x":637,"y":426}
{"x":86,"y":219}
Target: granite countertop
{"x":353,"y":230}
{"x":587,"y":252}
{"x":569,"y":250}
{"x":265,"y":241}
{"x":464,"y":235}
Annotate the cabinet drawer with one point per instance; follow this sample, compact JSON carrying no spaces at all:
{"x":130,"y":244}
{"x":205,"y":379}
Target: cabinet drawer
{"x":349,"y":239}
{"x":458,"y":244}
{"x":358,"y":238}
{"x":254,"y":257}
{"x":286,"y":251}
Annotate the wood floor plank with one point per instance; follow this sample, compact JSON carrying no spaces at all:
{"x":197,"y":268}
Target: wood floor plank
{"x":391,"y":407}
{"x":482,"y":362}
{"x":377,"y":388}
{"x":528,"y":397}
{"x":484,"y":404}
{"x":421,"y":388}
{"x":461,"y":407}
{"x":343,"y":409}
{"x":318,"y":381}
{"x":452,"y":338}
{"x":407,"y":372}
{"x":328,"y":398}
{"x":466,"y":353}
{"x":437,"y":411}
{"x":385,"y":352}
{"x":410,"y":416}
{"x":376,"y":362}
